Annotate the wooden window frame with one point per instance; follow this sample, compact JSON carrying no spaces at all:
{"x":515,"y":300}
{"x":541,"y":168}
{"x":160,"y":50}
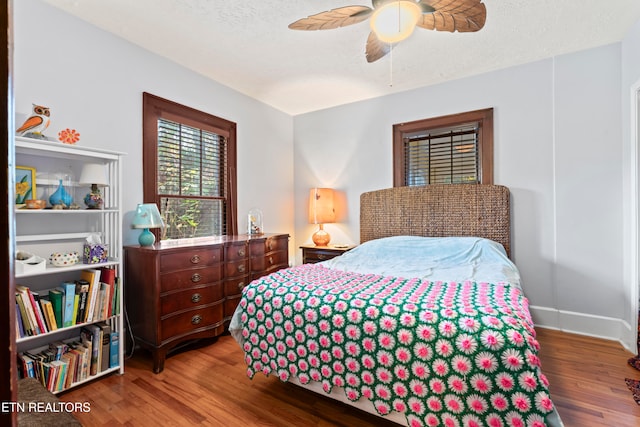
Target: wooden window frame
{"x":155,"y":108}
{"x":484,"y":118}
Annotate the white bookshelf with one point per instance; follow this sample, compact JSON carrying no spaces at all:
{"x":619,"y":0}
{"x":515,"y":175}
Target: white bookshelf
{"x":44,"y":231}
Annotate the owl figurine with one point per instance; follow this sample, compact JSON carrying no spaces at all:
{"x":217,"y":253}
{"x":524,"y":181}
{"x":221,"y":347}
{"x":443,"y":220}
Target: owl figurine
{"x":37,"y":123}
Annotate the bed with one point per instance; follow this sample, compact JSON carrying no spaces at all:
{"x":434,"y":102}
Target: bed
{"x":424,"y":323}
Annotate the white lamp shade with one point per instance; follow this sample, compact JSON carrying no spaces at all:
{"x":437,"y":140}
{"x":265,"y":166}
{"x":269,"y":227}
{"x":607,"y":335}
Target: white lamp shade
{"x":147,"y":216}
{"x":94,"y":173}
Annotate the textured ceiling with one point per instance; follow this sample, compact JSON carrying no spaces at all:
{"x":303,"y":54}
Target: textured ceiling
{"x":247,"y":45}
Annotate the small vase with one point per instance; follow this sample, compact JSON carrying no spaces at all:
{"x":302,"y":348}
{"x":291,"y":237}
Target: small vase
{"x":61,"y":196}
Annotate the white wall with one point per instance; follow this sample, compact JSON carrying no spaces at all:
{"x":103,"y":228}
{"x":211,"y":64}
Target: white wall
{"x":557,"y":147}
{"x":630,"y":105}
{"x":562,"y":145}
{"x":93,"y":82}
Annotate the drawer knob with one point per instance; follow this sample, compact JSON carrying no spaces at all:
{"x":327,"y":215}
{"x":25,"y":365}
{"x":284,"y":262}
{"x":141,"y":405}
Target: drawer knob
{"x":195,"y":278}
{"x":271,"y":260}
{"x":196,"y":298}
{"x":241,"y":252}
{"x":196,"y":319}
{"x":270,"y":245}
{"x":195,"y":259}
{"x":323,"y":256}
{"x":240,"y":286}
{"x":241,"y":268}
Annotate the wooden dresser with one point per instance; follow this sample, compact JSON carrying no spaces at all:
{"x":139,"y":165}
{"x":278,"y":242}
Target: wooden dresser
{"x":184,"y":290}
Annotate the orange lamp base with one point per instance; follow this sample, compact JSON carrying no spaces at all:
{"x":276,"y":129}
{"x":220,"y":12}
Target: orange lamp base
{"x":321,"y":237}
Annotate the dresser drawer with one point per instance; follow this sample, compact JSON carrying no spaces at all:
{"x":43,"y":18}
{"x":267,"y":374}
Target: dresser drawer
{"x":190,"y":321}
{"x":236,"y":268}
{"x":235,"y":286}
{"x":261,"y":247}
{"x":190,"y":258}
{"x":279,"y":258}
{"x":190,"y":298}
{"x":188,"y":278}
{"x":235,"y":252}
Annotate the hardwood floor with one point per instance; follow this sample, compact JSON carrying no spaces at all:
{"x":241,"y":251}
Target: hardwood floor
{"x":207,"y":386}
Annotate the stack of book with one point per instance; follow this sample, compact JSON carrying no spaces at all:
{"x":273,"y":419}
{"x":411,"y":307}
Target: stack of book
{"x":93,"y":297}
{"x":64,"y":363}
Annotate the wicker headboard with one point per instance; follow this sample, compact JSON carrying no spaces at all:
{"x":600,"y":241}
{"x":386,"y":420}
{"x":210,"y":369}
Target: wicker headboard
{"x":437,"y":210}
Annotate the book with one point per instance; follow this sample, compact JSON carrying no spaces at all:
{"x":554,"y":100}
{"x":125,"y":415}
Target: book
{"x":49,"y":316}
{"x":28,"y":329}
{"x":82,"y":365}
{"x":74,"y":316}
{"x":106,"y":342}
{"x":93,"y":334}
{"x":71,"y":359}
{"x":51,"y":374}
{"x":59,"y":375}
{"x":35,"y":300}
{"x":106,"y":300}
{"x":55,"y":296}
{"x":97,"y":310}
{"x":108,"y":276}
{"x":26,"y":299}
{"x":82,"y":291}
{"x":69,"y":289}
{"x":88,"y":353}
{"x":92,"y":276}
{"x":58,"y":348}
{"x":28,"y":366}
{"x":114,"y":350}
{"x":116,"y":297}
{"x":85,"y":368}
{"x":19,"y":325}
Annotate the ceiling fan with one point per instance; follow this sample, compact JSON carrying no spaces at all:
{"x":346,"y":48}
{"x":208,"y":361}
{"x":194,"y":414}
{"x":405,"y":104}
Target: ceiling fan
{"x":394,"y":20}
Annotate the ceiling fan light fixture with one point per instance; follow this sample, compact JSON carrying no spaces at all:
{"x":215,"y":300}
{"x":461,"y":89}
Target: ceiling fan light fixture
{"x":395,"y":21}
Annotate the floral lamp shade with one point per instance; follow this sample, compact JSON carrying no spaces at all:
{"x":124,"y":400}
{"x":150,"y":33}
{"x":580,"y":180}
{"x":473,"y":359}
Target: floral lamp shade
{"x":147,"y":216}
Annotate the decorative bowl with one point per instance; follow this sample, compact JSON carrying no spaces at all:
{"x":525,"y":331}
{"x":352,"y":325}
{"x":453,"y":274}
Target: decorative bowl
{"x":64,"y":259}
{"x":35,"y":204}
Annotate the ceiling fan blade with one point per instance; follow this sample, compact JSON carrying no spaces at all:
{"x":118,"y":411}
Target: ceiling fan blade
{"x":334,"y":18}
{"x":453,"y":15}
{"x":377,"y":3}
{"x":375,"y":48}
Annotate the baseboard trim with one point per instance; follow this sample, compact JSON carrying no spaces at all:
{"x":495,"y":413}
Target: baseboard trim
{"x":608,"y":328}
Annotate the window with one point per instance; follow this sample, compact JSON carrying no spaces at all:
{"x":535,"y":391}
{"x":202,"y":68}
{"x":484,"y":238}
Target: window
{"x":453,"y":149}
{"x":189,"y":163}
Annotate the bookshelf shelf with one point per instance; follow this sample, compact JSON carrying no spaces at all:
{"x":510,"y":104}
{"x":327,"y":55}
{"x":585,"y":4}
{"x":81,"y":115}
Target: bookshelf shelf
{"x":53,"y":335}
{"x":42,"y":232}
{"x":49,"y":269}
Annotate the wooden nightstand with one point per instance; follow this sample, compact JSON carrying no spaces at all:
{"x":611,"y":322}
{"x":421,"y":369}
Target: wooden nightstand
{"x":313,"y":254}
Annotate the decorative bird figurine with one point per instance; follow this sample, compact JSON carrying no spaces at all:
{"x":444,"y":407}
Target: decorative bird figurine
{"x":37,"y":123}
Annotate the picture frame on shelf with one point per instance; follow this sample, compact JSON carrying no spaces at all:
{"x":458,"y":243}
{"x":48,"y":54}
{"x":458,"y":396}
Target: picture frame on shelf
{"x":25,"y":184}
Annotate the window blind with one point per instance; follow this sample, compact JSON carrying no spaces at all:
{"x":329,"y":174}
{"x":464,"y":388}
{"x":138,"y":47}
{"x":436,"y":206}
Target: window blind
{"x":442,"y":156}
{"x":191,"y":181}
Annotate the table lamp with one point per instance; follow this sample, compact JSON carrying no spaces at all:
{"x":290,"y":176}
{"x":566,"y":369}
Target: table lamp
{"x":321,"y":211}
{"x":147,"y":216}
{"x":95,"y":175}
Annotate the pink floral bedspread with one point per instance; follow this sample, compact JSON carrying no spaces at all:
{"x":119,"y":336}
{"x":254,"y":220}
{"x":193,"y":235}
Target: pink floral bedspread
{"x":452,"y":354}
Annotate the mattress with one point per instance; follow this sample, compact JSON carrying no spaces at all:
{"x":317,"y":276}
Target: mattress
{"x":428,"y":331}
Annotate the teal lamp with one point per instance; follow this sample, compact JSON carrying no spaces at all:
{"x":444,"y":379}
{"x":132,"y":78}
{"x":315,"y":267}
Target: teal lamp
{"x":147,"y":216}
